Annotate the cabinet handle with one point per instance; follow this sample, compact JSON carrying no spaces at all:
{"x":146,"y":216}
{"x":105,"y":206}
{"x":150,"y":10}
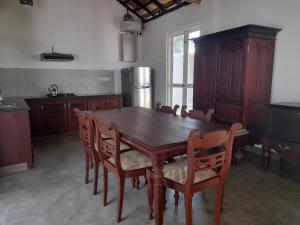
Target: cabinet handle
{"x":299,"y":114}
{"x":65,"y":106}
{"x":42,"y":107}
{"x":69,"y":105}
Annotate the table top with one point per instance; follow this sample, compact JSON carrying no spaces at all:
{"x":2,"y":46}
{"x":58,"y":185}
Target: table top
{"x":155,"y":130}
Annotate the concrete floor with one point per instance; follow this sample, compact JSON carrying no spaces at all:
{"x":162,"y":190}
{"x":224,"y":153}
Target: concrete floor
{"x":54,"y":193}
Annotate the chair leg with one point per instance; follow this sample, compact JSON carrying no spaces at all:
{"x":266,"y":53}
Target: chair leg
{"x":96,"y":171}
{"x":120,"y":198}
{"x":87,"y":167}
{"x":133,"y":182}
{"x":188,"y":208}
{"x":137,"y":183}
{"x":218,"y":203}
{"x":92,"y":162}
{"x":176,"y":197}
{"x":165,"y":197}
{"x":150,"y":195}
{"x":105,"y":184}
{"x":223,"y":192}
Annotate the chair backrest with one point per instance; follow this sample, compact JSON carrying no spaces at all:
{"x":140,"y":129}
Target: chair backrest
{"x":218,"y":161}
{"x":197,"y":114}
{"x":108,"y":149}
{"x":166,"y":109}
{"x":87,"y":132}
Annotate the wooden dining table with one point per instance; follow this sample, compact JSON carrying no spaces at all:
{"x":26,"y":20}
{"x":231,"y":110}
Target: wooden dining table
{"x":157,"y":135}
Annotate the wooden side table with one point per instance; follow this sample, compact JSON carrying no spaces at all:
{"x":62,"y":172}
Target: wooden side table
{"x":288,"y":151}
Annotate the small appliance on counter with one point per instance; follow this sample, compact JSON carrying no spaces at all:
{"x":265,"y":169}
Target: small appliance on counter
{"x":137,"y":86}
{"x":53,"y":90}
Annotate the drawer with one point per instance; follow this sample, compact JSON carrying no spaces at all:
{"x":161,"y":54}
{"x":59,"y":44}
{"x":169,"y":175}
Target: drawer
{"x":284,"y":123}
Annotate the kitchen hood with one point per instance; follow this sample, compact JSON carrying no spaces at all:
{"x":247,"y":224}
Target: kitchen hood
{"x":58,"y":57}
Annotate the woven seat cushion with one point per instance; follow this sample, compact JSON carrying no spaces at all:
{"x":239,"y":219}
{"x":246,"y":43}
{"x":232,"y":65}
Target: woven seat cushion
{"x":123,"y":146}
{"x":132,"y":160}
{"x":177,"y":172}
{"x":104,"y":137}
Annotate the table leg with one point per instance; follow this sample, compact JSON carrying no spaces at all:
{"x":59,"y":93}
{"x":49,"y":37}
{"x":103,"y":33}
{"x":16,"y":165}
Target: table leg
{"x":266,"y":153}
{"x":159,"y":198}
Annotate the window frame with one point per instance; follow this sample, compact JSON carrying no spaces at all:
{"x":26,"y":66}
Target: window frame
{"x":169,"y":68}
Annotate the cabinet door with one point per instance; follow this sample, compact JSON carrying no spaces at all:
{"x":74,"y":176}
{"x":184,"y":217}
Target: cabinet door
{"x":205,"y":68}
{"x":96,"y":103}
{"x":72,"y":118}
{"x":258,"y":79}
{"x":231,"y":71}
{"x":37,"y":118}
{"x":114,"y":102}
{"x":105,"y":102}
{"x":56,"y":116}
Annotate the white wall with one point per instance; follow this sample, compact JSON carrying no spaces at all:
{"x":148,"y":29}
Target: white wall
{"x":216,"y":15}
{"x":87,"y":28}
{"x":154,"y":38}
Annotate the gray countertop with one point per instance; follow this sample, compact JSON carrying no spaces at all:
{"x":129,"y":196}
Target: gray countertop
{"x":71,"y":96}
{"x":14,"y":104}
{"x":19,"y":103}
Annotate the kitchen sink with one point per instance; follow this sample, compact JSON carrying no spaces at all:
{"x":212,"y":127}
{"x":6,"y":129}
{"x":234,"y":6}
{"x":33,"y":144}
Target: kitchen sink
{"x":8,"y":106}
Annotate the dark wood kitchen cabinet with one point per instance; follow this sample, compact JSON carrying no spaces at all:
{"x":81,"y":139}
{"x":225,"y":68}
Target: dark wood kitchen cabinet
{"x":233,"y":74}
{"x":72,"y":118}
{"x":37,"y":117}
{"x":104,"y":102}
{"x":15,"y":142}
{"x":96,"y":103}
{"x":55,"y":115}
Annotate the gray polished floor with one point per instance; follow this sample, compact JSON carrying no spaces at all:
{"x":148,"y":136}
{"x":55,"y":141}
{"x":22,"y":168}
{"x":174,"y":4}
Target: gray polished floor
{"x":53,"y":193}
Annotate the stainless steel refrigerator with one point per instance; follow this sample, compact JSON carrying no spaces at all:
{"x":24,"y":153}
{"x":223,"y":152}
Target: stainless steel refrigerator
{"x":137,"y":86}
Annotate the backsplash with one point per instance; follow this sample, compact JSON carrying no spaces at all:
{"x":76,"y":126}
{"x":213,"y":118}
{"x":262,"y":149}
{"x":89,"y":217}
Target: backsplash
{"x":35,"y":82}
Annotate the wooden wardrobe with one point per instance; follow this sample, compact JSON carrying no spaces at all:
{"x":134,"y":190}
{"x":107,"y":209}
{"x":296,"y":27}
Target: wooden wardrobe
{"x":233,"y":74}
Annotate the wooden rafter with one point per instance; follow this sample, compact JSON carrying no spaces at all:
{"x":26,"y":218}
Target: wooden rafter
{"x":148,"y":10}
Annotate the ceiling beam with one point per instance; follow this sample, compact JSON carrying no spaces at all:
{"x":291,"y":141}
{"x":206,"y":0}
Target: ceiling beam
{"x":129,"y":9}
{"x":141,"y":6}
{"x":160,"y":6}
{"x":167,"y":11}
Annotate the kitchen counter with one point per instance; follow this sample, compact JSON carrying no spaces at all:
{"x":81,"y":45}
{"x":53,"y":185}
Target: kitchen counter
{"x":67,"y":96}
{"x":15,"y":140}
{"x":44,"y":110}
{"x":14,"y":104}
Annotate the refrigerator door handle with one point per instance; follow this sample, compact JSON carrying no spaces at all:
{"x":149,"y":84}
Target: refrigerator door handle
{"x":142,"y":87}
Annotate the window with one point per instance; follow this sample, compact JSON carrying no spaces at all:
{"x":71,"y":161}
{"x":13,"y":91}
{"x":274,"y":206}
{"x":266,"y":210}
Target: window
{"x":181,"y":67}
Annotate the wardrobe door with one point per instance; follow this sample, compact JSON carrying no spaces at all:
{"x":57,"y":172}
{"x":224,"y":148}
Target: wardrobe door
{"x":258,"y":79}
{"x":205,"y":69}
{"x":230,"y":79}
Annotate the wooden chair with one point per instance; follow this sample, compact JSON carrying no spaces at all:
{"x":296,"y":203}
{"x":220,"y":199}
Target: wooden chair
{"x":87,"y":138}
{"x":129,"y":164}
{"x":197,"y":114}
{"x":166,"y":109}
{"x":201,"y":170}
{"x":86,"y":131}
